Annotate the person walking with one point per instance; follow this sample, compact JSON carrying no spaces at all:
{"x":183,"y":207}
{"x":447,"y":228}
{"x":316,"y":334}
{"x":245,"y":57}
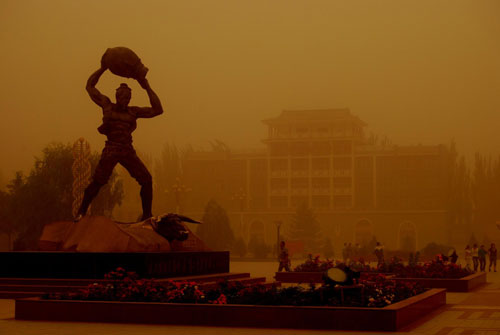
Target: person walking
{"x":379,"y":253}
{"x":492,"y":251}
{"x":468,"y":258}
{"x":482,"y":258}
{"x":454,"y":257}
{"x":349,"y":252}
{"x":284,"y":258}
{"x":344,"y":253}
{"x":475,"y":256}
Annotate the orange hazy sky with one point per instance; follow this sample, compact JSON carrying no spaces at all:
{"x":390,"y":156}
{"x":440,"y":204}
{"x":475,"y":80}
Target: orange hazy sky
{"x":422,"y":71}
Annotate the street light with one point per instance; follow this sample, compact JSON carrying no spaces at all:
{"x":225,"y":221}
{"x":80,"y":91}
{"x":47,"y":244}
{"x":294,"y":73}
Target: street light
{"x":178,"y":189}
{"x":278,"y":226}
{"x":241,"y":196}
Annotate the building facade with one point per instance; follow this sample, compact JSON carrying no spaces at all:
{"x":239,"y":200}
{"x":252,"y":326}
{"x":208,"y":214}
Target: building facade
{"x":357,"y":188}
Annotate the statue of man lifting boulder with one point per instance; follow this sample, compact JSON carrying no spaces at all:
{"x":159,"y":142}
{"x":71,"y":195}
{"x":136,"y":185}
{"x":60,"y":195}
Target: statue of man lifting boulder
{"x":119,"y":121}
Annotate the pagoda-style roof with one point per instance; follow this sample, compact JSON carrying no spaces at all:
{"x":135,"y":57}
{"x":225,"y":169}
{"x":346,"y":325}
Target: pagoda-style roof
{"x":315,"y":115}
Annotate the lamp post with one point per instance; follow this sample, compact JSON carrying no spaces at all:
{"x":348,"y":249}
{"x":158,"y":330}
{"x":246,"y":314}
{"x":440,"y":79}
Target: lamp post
{"x":178,"y":189}
{"x":278,"y":226}
{"x":240,"y":196}
{"x":81,"y":172}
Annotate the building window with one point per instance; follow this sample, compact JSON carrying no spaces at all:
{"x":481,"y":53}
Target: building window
{"x":342,"y":148}
{"x":320,"y":201}
{"x":297,"y":201}
{"x":279,"y":202}
{"x":342,"y":201}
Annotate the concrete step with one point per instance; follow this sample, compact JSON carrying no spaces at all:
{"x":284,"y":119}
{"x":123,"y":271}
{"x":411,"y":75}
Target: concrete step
{"x":18,"y":295}
{"x":38,"y":288}
{"x":210,"y":278}
{"x":50,"y":281}
{"x":207,"y":278}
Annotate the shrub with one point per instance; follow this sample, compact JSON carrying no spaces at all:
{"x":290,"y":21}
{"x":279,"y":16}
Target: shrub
{"x":125,"y":286}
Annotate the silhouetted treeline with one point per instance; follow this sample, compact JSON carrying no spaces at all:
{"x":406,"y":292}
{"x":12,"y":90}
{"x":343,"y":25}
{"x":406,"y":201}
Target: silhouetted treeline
{"x":474,"y":201}
{"x":45,"y":195}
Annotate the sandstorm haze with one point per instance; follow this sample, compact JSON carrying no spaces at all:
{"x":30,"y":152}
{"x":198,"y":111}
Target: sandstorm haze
{"x":415,"y":71}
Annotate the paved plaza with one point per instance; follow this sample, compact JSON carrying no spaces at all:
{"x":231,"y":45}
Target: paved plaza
{"x":473,"y":313}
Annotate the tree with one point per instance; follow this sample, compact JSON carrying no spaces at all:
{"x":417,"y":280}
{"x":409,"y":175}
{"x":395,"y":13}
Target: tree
{"x":7,"y":226}
{"x":473,"y":240}
{"x":460,"y":189}
{"x":168,"y":169}
{"x":240,"y":247}
{"x":258,"y":247}
{"x":130,"y":208}
{"x":45,"y":195}
{"x":2,"y":180}
{"x":305,"y":227}
{"x":215,"y":230}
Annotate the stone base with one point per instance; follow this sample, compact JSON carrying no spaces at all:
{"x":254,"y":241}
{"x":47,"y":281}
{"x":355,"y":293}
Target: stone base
{"x":97,"y":264}
{"x":464,"y":284}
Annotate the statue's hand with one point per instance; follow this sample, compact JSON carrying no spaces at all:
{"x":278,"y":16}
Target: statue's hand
{"x":104,"y":67}
{"x":143,"y":82}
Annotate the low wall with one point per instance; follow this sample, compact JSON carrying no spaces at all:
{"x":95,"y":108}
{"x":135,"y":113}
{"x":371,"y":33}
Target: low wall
{"x":464,"y":284}
{"x":389,"y":318}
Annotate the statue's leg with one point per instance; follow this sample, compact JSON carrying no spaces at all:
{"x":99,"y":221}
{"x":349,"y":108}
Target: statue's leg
{"x":139,"y":172}
{"x":101,"y":175}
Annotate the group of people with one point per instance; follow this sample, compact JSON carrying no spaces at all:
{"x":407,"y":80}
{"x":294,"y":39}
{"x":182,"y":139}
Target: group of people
{"x":476,"y":257}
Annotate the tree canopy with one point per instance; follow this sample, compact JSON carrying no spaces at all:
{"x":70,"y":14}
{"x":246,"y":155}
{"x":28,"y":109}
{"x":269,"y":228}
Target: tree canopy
{"x":216,"y":230}
{"x":306,"y":227}
{"x":45,"y":196}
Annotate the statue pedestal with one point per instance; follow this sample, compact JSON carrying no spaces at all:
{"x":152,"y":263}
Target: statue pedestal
{"x":64,"y":264}
{"x":97,"y":245}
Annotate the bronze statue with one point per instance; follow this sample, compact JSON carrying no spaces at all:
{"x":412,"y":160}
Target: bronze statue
{"x":119,"y":121}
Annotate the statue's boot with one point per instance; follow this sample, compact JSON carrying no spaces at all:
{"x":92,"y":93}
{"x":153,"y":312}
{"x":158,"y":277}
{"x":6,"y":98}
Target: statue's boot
{"x":147,"y":200}
{"x":89,"y":195}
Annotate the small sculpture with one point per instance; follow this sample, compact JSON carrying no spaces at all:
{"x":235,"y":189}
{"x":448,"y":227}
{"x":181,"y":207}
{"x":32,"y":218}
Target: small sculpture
{"x":99,"y":234}
{"x":170,"y":226}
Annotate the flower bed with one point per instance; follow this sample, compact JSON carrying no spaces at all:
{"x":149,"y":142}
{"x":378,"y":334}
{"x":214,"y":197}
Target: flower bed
{"x":315,"y":265}
{"x":378,"y":304}
{"x":433,"y":269}
{"x":437,"y":274}
{"x":126,"y":286}
{"x":464,"y":284}
{"x":314,"y":269}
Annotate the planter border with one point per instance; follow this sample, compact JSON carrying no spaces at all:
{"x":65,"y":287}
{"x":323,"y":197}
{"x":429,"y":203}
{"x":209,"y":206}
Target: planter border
{"x":299,"y":277}
{"x":315,"y":277}
{"x":389,"y":318}
{"x":464,"y":284}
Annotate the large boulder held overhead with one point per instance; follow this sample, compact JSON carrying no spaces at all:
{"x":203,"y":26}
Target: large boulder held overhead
{"x":124,"y":62}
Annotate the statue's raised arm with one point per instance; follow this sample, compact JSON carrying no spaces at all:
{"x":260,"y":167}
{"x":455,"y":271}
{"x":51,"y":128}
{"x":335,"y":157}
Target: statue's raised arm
{"x":155,"y":109}
{"x":96,"y":96}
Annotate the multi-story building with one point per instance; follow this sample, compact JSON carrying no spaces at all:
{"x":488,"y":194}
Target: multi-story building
{"x":357,"y":188}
